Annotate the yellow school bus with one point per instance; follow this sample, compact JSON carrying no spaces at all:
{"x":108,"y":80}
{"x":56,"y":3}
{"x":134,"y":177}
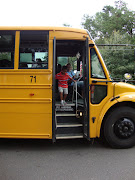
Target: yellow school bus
{"x":30,"y":57}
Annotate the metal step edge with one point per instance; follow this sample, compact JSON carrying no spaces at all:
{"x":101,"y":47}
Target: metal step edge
{"x":67,"y":136}
{"x":68,"y":125}
{"x":65,"y":114}
{"x":72,"y":104}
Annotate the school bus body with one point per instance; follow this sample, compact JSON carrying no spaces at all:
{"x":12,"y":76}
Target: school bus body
{"x":26,"y":94}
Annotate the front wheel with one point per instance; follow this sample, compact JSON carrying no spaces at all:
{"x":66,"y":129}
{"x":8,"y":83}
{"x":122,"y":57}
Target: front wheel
{"x":119,"y":127}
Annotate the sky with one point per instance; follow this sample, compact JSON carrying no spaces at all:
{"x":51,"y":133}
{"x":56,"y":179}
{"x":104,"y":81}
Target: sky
{"x":51,"y":12}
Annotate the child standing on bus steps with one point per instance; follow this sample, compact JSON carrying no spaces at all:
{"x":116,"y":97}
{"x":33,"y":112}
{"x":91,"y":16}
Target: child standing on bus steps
{"x":63,"y":78}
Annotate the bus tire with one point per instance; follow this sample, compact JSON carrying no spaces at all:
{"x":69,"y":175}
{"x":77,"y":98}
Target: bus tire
{"x":119,"y":127}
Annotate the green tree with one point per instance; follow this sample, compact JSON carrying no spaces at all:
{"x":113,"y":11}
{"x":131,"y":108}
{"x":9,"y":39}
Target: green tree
{"x":118,"y":18}
{"x":119,"y":59}
{"x":114,"y":25}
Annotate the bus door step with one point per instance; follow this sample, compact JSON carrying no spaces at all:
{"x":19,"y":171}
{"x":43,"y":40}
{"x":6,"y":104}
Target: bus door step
{"x":68,"y":126}
{"x":69,"y":136}
{"x":69,"y":107}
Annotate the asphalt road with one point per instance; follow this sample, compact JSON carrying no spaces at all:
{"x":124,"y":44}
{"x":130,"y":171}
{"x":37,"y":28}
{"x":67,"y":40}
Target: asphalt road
{"x":64,"y":160}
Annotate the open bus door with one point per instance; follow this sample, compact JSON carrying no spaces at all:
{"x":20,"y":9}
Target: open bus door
{"x":68,"y":125}
{"x":53,"y":92}
{"x":86,"y":89}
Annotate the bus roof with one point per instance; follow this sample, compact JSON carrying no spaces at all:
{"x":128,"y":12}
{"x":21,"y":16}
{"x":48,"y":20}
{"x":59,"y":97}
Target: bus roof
{"x":19,"y":28}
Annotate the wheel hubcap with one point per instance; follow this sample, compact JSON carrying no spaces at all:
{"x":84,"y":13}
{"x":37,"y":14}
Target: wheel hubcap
{"x":124,"y":128}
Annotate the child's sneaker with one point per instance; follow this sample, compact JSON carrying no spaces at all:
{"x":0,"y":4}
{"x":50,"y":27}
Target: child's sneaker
{"x":64,"y":103}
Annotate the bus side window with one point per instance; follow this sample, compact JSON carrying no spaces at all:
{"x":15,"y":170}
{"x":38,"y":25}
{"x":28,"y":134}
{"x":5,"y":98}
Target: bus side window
{"x":96,"y":68}
{"x":33,"y":50}
{"x":7,"y":46}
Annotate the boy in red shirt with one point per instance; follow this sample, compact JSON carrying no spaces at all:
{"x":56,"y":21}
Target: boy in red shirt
{"x":63,"y":78}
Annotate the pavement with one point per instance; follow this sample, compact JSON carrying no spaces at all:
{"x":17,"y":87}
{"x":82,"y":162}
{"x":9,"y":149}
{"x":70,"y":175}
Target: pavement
{"x":64,"y":160}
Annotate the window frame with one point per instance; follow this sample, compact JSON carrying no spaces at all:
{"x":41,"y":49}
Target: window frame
{"x":13,"y":33}
{"x":94,"y":94}
{"x":99,"y":63}
{"x":45,"y":32}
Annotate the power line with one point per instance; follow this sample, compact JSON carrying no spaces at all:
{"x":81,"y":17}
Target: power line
{"x":120,"y":49}
{"x":130,"y":45}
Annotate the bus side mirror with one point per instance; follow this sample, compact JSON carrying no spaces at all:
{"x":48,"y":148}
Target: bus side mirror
{"x":127,"y":76}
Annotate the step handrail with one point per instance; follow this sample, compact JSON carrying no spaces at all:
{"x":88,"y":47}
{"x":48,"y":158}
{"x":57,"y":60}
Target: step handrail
{"x":75,"y":90}
{"x":76,"y":96}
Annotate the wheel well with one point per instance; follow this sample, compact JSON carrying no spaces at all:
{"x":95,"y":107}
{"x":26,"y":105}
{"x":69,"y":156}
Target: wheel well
{"x":121,"y":104}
